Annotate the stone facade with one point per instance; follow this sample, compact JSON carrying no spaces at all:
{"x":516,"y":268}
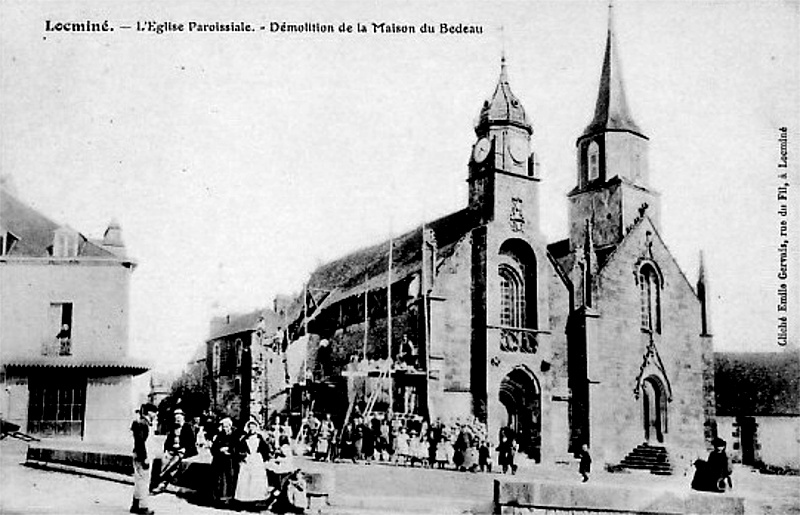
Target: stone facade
{"x":239,"y":358}
{"x":596,"y":339}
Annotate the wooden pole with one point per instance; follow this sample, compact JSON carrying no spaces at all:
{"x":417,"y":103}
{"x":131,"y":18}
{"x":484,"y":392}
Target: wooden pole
{"x":389,"y":303}
{"x":366,"y":322}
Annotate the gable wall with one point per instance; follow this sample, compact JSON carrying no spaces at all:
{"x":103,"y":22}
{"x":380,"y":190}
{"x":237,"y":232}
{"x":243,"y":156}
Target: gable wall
{"x":617,"y":356}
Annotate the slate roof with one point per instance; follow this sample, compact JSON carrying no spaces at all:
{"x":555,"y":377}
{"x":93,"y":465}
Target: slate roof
{"x":611,"y":111}
{"x":757,"y":383}
{"x":35,"y":231}
{"x":368,"y":268}
{"x":560,"y":251}
{"x":241,"y":322}
{"x":503,"y":107}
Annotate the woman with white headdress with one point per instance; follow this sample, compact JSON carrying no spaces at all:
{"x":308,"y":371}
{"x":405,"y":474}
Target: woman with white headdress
{"x":251,"y":486}
{"x":224,"y":462}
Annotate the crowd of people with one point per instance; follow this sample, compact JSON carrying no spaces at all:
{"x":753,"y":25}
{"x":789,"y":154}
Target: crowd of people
{"x":457,"y":445}
{"x":254,"y":467}
{"x":251,"y":469}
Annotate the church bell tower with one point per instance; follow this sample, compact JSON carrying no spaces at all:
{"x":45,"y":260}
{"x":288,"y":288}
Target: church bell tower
{"x":612,"y":187}
{"x":502,"y":163}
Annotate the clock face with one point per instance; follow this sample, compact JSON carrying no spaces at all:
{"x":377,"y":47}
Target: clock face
{"x":519,"y":150}
{"x":481,"y":150}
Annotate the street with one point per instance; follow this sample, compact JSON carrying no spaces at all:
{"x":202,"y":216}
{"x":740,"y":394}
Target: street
{"x":359,"y":489}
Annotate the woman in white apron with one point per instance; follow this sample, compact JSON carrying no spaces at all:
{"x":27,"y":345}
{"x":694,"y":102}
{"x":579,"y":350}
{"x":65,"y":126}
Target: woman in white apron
{"x":251,"y":486}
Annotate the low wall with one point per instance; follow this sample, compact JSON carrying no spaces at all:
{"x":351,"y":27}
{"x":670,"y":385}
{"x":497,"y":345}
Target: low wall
{"x":96,"y":460}
{"x":196,"y":473}
{"x":540,"y":498}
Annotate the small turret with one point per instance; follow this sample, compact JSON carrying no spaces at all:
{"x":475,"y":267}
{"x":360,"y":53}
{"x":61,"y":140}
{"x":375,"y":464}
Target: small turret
{"x":504,"y":108}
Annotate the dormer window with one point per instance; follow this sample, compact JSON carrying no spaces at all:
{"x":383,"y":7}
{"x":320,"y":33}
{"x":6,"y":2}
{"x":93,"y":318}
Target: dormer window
{"x":7,"y":242}
{"x":65,"y":243}
{"x":593,"y":161}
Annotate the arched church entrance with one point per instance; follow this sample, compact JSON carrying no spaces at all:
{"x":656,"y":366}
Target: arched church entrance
{"x":654,"y":404}
{"x":521,"y":396}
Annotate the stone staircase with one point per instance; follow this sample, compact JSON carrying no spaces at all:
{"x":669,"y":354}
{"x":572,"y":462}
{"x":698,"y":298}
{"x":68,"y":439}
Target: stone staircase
{"x":648,"y":457}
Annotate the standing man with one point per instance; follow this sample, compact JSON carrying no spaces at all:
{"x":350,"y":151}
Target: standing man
{"x":586,"y":463}
{"x":141,"y":459}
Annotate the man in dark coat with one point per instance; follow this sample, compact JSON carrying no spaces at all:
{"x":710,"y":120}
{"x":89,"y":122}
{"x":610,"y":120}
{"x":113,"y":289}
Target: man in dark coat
{"x":141,"y":459}
{"x":224,"y":463}
{"x":506,"y":451}
{"x":718,"y":466}
{"x":180,"y":444}
{"x":712,"y":475}
{"x":586,"y":462}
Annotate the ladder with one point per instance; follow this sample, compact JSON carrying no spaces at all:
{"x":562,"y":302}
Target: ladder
{"x":376,"y":392}
{"x":373,"y":398}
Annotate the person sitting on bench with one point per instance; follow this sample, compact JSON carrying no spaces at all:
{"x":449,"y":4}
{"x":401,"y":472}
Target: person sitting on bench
{"x":179,"y":445}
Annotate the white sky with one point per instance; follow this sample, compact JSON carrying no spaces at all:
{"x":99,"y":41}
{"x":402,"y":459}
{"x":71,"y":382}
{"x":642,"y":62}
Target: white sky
{"x":236,"y":163}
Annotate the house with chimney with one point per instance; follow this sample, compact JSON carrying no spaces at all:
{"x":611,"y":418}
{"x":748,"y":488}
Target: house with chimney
{"x":65,"y":366}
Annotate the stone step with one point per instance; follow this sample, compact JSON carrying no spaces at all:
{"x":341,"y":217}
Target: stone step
{"x":647,"y":459}
{"x":647,"y":450}
{"x":647,"y":466}
{"x":640,"y":459}
{"x":653,"y":458}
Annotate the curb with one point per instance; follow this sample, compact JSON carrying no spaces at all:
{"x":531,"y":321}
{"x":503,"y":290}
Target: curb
{"x":80,"y":471}
{"x":97,"y":474}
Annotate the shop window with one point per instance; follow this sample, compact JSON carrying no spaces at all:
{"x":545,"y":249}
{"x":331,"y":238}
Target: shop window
{"x":56,"y":407}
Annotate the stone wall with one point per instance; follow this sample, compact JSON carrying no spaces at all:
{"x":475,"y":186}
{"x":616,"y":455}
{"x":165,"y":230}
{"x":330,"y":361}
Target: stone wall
{"x":519,"y":497}
{"x":617,"y":361}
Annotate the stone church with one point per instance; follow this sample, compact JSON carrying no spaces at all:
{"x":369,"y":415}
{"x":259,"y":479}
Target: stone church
{"x":598,"y":338}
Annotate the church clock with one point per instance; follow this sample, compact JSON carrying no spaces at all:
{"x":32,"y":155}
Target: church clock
{"x":481,"y":150}
{"x":518,"y":149}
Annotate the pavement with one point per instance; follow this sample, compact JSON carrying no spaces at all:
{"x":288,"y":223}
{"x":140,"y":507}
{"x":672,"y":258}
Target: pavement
{"x":360,"y":488}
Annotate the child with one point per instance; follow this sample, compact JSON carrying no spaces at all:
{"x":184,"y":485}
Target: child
{"x":485,"y":457}
{"x":442,"y":454}
{"x":401,"y":447}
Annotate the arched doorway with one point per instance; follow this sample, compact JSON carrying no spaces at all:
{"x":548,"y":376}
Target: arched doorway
{"x":654,"y":405}
{"x":521,"y":396}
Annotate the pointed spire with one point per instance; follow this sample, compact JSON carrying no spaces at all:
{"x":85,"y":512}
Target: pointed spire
{"x":503,"y":71}
{"x":702,"y":295}
{"x":611,"y":110}
{"x":504,"y":108}
{"x":590,"y":260}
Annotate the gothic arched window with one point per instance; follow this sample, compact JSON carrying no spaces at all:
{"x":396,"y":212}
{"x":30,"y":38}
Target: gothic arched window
{"x":512,"y":297}
{"x":650,"y":289}
{"x":593,"y":161}
{"x":216,"y":358}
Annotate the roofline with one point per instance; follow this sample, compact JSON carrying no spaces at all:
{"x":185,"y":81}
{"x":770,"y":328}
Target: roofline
{"x":487,"y":124}
{"x":226,"y":335}
{"x":73,"y":260}
{"x":635,"y":226}
{"x":605,"y":130}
